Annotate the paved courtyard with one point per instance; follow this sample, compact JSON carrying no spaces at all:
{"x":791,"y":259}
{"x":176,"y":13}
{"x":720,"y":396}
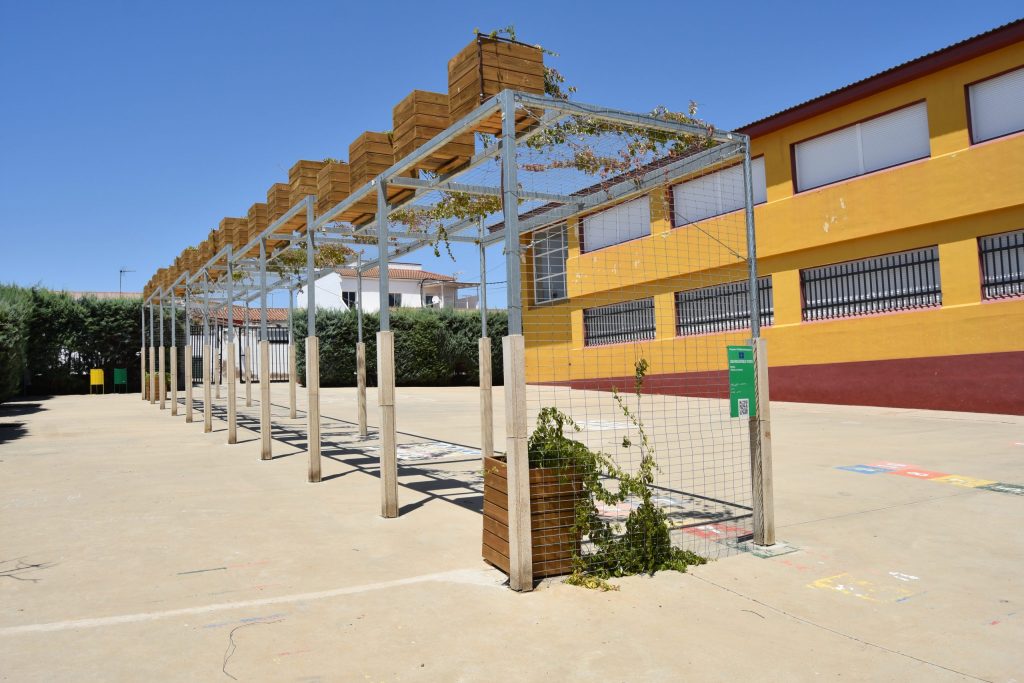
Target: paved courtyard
{"x":135,"y":547}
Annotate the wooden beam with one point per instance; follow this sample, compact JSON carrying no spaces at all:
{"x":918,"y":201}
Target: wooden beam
{"x":292,"y":370}
{"x":761,"y":452}
{"x":207,"y":407}
{"x":386,"y":401}
{"x":313,"y":410}
{"x":266,"y":444}
{"x":232,"y":396}
{"x":486,"y":399}
{"x":152,"y":375}
{"x":520,"y":534}
{"x":174,"y":381}
{"x":361,"y":388}
{"x":188,"y":383}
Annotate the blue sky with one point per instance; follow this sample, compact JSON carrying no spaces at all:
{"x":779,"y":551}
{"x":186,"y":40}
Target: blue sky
{"x":129,"y":129}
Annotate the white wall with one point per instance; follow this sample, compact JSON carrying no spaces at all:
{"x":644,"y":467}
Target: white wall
{"x":330,"y":287}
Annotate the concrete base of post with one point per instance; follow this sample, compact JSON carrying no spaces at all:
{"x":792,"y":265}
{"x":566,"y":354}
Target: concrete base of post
{"x":292,"y":380}
{"x":207,"y":403}
{"x":232,"y":396}
{"x":188,"y":383}
{"x":162,"y":383}
{"x":313,"y":411}
{"x":520,"y":534}
{"x":386,"y":401}
{"x":142,"y":372}
{"x":248,"y":375}
{"x":219,"y":370}
{"x":361,"y":388}
{"x":266,"y":443}
{"x":486,"y":399}
{"x":152,"y":375}
{"x":174,"y":381}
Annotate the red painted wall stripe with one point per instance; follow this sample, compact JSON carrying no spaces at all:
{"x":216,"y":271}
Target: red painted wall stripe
{"x":977,"y":383}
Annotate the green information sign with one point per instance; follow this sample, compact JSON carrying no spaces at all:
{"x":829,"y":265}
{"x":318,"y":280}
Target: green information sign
{"x":742,"y":382}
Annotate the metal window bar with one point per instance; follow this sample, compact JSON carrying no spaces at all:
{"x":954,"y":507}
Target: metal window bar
{"x":722,"y":307}
{"x":893,"y":282}
{"x":1002,"y":265}
{"x":617,"y":323}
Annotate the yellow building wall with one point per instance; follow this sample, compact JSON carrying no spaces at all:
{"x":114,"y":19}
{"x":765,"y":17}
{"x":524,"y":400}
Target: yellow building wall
{"x":959,"y":193}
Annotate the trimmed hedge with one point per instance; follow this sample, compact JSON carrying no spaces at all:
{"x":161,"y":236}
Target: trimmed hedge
{"x":49,"y":341}
{"x":433,"y":347}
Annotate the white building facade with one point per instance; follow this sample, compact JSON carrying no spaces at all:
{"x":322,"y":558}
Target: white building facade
{"x":409,"y":286}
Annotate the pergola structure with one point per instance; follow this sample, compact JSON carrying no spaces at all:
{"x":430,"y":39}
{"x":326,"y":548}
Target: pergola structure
{"x":516,"y":117}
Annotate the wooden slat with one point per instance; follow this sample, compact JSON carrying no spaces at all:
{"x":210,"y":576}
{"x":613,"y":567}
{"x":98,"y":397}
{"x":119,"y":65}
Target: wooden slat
{"x":495,"y":512}
{"x":495,"y":527}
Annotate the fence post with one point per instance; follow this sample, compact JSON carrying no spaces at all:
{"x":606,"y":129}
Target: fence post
{"x":142,"y":355}
{"x":152,"y":355}
{"x":312,"y":351}
{"x":174,"y":356}
{"x":188,"y":350}
{"x":161,"y":362}
{"x":292,"y":364}
{"x":486,"y":383}
{"x":761,"y":452}
{"x":386,"y":366}
{"x":360,"y":352}
{"x":207,"y":359}
{"x":514,"y":353}
{"x":266,"y":445}
{"x":232,"y":389}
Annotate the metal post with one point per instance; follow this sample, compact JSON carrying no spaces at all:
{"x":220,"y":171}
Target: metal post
{"x":207,"y":358}
{"x":174,"y":356}
{"x":142,"y":356}
{"x":386,"y":367}
{"x":247,"y":336}
{"x":514,"y":352}
{"x":188,"y":348}
{"x":360,"y":352}
{"x":291,"y":354}
{"x":484,"y":360}
{"x":232,"y":385}
{"x":152,"y":355}
{"x":266,"y":445}
{"x":312,"y":350}
{"x":760,"y":423}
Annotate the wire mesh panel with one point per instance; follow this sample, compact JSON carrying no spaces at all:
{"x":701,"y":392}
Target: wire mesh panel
{"x":635,"y":461}
{"x":1002,"y":264}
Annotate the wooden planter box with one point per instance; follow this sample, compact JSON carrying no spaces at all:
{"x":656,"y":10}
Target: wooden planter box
{"x":487,"y":66}
{"x":553,"y":498}
{"x":302,"y":178}
{"x":278,"y":196}
{"x":235,"y":231}
{"x":420,"y":117}
{"x":368,"y":156}
{"x":333,"y":185}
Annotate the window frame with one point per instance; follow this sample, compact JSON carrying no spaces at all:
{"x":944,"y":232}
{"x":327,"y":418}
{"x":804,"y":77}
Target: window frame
{"x":970,"y":115}
{"x":672,"y":194}
{"x":352,"y":305}
{"x":390,"y":299}
{"x":581,"y":228}
{"x":793,"y":146}
{"x":565,"y":264}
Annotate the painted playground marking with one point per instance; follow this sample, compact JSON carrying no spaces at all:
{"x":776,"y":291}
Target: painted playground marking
{"x":913,"y":472}
{"x":477,"y":577}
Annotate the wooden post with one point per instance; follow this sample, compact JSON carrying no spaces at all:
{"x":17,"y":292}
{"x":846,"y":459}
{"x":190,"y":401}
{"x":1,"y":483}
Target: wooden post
{"x":386,"y":401}
{"x":174,"y":381}
{"x":361,"y":388}
{"x":266,"y":445}
{"x":486,"y":400}
{"x":207,"y":407}
{"x":313,"y":410}
{"x":188,"y":383}
{"x":248,"y":363}
{"x":152,"y":375}
{"x":219,"y":370}
{"x":232,"y":395}
{"x":162,"y":384}
{"x":142,"y":372}
{"x":520,"y":535}
{"x":761,"y":452}
{"x":292,"y":370}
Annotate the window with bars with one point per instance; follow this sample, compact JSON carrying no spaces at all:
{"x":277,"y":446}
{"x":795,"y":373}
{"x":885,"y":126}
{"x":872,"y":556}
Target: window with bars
{"x":618,"y":323}
{"x":893,"y":282}
{"x":1002,"y":264}
{"x":722,"y":307}
{"x":550,"y":250}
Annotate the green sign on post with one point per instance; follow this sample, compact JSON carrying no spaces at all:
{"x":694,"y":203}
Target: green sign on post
{"x":742,"y":382}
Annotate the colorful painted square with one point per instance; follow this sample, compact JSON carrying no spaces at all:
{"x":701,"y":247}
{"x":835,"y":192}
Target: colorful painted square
{"x":861,"y":588}
{"x":862,"y":469}
{"x":966,"y":482}
{"x":1013,"y":489}
{"x":717,"y":531}
{"x":886,"y":465}
{"x":916,"y":473}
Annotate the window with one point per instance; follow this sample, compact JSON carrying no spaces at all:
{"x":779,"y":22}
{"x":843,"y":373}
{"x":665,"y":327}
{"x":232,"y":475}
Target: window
{"x":877,"y":143}
{"x":617,"y":323}
{"x":997,"y":106}
{"x":909,"y":279}
{"x":618,"y":224}
{"x":349,"y":299}
{"x":550,"y":250}
{"x":717,"y":193}
{"x":722,"y":307}
{"x":394,"y":300}
{"x":1002,"y":264}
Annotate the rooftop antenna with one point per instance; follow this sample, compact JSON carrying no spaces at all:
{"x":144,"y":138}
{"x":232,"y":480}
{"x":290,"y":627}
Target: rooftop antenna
{"x":120,"y":280}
